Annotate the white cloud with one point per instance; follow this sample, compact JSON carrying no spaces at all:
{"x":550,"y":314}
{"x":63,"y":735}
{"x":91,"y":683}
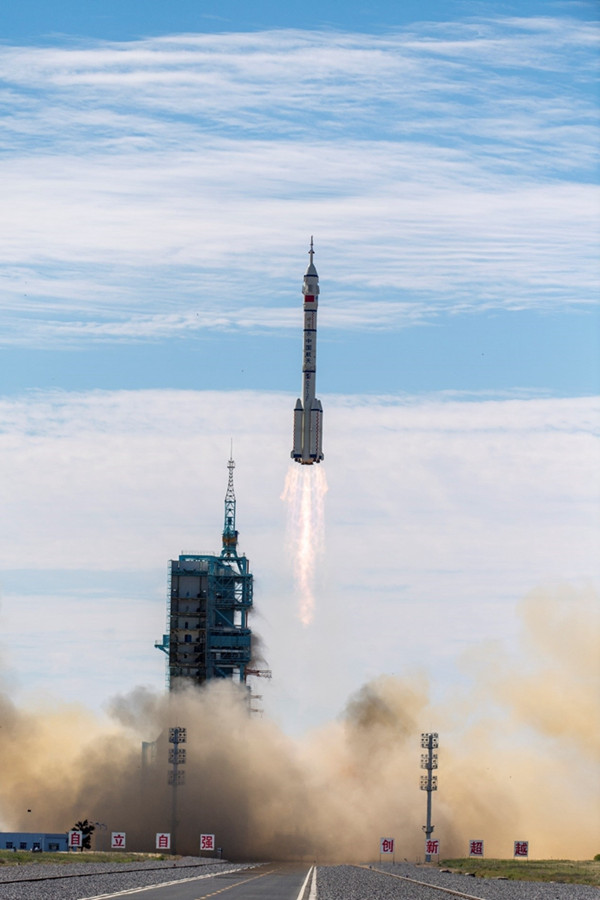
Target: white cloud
{"x":448,"y":165}
{"x":441,"y":514}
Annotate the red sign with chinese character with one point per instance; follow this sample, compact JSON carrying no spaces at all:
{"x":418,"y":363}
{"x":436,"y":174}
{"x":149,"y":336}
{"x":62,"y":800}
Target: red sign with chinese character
{"x":475,"y":848}
{"x":207,"y":842}
{"x":521,"y":848}
{"x":117,"y":840}
{"x":386,"y":845}
{"x":75,"y":839}
{"x":163,"y":840}
{"x":432,"y":848}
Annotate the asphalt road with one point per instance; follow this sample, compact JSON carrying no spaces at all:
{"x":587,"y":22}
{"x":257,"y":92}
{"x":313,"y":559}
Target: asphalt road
{"x":274,"y":881}
{"x":187,"y":879}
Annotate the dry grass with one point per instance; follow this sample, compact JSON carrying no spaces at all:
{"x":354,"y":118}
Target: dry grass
{"x":23,"y":857}
{"x":558,"y":870}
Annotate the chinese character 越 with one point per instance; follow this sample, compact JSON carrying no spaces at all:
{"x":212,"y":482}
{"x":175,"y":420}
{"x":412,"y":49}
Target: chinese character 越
{"x":521,"y":848}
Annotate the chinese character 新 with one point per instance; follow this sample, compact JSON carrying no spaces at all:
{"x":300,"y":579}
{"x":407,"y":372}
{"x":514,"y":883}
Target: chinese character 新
{"x":432,"y":847}
{"x":475,"y":848}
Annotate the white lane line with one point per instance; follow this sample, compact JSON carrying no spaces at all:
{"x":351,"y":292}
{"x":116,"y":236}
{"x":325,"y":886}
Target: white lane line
{"x":305,"y":882}
{"x":159,"y":884}
{"x":313,"y":886}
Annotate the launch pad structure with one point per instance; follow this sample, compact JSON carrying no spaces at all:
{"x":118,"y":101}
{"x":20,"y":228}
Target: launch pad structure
{"x":210,"y":598}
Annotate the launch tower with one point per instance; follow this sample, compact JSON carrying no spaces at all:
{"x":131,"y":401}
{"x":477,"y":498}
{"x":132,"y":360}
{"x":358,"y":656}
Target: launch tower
{"x":209,"y":601}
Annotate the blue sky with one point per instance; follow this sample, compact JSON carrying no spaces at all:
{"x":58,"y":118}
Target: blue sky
{"x":161,"y":188}
{"x":33,"y":20}
{"x":163,"y":170}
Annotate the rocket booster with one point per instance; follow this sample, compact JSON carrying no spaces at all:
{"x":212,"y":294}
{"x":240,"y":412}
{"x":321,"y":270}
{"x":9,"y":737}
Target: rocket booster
{"x":308,"y":412}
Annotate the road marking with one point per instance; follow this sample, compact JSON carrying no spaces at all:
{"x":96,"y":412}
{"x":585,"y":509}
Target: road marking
{"x":237,"y":884}
{"x":313,"y":885}
{"x":148,"y":887}
{"x":423,"y":883}
{"x":304,"y":883}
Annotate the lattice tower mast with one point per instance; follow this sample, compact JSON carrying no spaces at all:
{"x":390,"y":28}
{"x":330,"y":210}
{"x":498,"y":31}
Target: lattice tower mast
{"x":230,"y":535}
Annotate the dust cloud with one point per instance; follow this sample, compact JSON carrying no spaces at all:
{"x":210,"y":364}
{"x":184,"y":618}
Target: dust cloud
{"x":517,"y":760}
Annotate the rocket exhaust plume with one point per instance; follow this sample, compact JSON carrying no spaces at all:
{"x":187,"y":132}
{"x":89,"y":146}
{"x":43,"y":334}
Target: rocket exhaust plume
{"x":304,"y":492}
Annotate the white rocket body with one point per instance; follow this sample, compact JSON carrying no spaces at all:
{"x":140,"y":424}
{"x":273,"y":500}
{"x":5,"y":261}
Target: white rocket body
{"x":308,"y":412}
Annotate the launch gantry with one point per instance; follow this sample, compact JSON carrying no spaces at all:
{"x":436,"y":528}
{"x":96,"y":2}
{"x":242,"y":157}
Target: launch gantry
{"x":210,"y":598}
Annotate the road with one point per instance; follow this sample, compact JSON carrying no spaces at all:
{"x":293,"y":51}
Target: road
{"x":189,"y":880}
{"x":273,"y":881}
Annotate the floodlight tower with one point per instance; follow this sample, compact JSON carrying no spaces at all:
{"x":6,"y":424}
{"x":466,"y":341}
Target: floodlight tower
{"x":429,"y":761}
{"x":177,"y":755}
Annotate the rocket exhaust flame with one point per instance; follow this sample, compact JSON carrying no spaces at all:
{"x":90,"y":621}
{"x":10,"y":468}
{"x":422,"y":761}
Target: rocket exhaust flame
{"x":304,"y":493}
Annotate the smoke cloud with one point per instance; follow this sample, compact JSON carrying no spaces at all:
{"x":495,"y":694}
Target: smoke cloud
{"x":517,"y":760}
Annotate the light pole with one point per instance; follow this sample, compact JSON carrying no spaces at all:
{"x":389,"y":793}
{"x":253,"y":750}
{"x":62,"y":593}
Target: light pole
{"x":429,"y":761}
{"x":102,"y":827}
{"x":177,"y":736}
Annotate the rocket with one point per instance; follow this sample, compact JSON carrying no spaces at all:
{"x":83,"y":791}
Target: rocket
{"x":308,"y":412}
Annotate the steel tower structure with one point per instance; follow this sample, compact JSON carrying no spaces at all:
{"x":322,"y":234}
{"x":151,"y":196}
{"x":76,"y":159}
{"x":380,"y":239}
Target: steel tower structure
{"x":209,"y":601}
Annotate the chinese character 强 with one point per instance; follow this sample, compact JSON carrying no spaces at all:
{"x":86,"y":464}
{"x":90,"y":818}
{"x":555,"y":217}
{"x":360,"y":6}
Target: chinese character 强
{"x":476,"y":848}
{"x":207,"y":842}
